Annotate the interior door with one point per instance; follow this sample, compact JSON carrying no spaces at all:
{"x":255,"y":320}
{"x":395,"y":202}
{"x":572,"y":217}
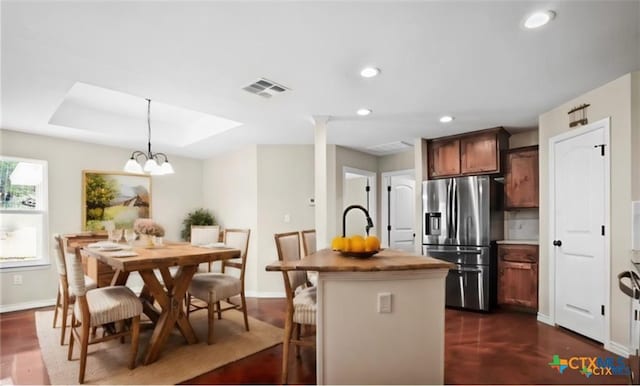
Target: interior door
{"x":579,"y":184}
{"x":401,"y":212}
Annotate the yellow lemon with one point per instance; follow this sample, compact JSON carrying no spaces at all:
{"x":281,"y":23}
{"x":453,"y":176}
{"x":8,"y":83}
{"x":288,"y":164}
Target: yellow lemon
{"x":346,"y":244}
{"x":371,"y":244}
{"x":357,"y":244}
{"x":357,"y":237}
{"x":337,"y":243}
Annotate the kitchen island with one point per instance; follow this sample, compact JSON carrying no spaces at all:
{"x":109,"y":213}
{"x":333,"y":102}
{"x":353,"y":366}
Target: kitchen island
{"x":380,"y":320}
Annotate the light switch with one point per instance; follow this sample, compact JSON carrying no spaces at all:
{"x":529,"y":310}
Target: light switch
{"x":287,"y":218}
{"x":384,"y":303}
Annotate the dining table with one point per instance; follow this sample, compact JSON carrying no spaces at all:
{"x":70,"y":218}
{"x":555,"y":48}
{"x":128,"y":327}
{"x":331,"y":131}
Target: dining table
{"x":169,"y":294}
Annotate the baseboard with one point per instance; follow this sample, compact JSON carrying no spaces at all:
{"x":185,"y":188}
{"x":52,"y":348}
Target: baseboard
{"x":546,"y":319}
{"x":617,"y":348}
{"x":27,"y":305}
{"x":259,"y":294}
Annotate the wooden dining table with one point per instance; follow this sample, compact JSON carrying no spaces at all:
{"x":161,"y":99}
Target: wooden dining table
{"x":169,"y":294}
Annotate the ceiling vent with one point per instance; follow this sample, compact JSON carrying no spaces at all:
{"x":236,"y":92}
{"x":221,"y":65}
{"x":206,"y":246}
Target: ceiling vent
{"x":390,"y":148}
{"x":265,"y":88}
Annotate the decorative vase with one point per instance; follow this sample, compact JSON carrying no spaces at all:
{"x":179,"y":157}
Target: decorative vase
{"x":147,"y":240}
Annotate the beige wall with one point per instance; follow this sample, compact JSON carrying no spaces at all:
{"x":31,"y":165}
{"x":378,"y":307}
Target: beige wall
{"x":611,"y":100}
{"x":255,"y":187}
{"x":394,"y":162}
{"x":285,"y":184}
{"x":172,"y":198}
{"x":230,"y":191}
{"x":523,"y":138}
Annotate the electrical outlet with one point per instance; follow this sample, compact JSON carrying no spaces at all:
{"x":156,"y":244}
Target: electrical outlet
{"x":17,"y":279}
{"x":384,"y":303}
{"x":287,"y":218}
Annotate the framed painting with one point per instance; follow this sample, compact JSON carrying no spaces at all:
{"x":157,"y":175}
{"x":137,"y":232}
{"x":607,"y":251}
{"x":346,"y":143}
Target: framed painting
{"x":114,"y":198}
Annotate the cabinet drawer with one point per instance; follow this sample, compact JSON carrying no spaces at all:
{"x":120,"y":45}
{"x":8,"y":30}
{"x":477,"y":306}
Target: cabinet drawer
{"x":518,"y":253}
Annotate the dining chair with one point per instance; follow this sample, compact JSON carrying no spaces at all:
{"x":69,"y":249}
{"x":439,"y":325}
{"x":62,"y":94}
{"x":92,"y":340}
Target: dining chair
{"x":98,"y":307}
{"x":301,"y":300}
{"x":308,"y":241}
{"x":203,"y":235}
{"x":65,"y":297}
{"x":212,"y":288}
{"x":309,"y":247}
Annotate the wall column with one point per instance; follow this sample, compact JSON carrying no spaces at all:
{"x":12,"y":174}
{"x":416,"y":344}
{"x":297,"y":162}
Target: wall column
{"x":321,"y":181}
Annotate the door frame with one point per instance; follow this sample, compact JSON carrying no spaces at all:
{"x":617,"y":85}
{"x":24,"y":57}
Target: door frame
{"x":383,"y":202}
{"x":373,"y":188}
{"x":601,"y":124}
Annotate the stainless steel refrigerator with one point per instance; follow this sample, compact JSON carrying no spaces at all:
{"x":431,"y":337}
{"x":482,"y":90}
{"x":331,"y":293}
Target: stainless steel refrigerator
{"x":462,"y":219}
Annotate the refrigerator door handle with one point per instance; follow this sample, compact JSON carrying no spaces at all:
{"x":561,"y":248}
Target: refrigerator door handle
{"x":454,"y":204}
{"x":449,"y":208}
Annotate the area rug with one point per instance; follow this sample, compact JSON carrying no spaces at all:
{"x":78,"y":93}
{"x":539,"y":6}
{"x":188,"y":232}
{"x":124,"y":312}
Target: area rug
{"x":178,"y":362}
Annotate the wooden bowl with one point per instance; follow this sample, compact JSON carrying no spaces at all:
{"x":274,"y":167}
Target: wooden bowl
{"x":359,"y":255}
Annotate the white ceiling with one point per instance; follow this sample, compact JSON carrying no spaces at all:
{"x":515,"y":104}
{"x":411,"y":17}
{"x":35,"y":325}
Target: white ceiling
{"x":471,"y":59}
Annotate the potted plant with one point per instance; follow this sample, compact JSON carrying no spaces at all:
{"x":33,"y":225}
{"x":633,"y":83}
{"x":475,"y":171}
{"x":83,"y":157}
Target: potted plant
{"x":197,"y":217}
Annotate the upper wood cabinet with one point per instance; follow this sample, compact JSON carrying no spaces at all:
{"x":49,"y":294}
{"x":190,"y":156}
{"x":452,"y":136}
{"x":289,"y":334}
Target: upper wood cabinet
{"x":444,"y":158}
{"x":479,"y":152}
{"x":521,"y":179}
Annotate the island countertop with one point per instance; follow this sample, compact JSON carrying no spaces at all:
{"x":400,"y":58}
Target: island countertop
{"x":327,"y":260}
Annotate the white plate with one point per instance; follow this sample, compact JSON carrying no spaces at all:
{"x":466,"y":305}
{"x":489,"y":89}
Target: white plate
{"x":110,"y":248}
{"x":212,"y":245}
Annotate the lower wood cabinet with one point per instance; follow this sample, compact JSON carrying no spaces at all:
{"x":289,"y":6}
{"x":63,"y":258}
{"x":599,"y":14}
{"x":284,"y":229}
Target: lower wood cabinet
{"x":518,"y":275}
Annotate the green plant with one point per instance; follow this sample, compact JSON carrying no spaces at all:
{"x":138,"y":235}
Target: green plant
{"x":197,"y":217}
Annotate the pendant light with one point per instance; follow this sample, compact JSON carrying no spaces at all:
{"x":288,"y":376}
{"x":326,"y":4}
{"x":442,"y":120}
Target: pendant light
{"x":154,"y":163}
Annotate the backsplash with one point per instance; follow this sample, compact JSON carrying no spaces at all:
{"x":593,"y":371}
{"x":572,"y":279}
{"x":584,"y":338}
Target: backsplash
{"x":521,"y":224}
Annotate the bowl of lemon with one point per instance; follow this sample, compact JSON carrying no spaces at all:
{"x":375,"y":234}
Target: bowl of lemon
{"x":356,"y":246}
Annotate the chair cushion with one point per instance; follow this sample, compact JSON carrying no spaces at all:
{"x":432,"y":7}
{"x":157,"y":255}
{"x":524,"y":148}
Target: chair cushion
{"x":213,"y":287}
{"x":110,"y":304}
{"x":304,"y":306}
{"x":89,"y":284}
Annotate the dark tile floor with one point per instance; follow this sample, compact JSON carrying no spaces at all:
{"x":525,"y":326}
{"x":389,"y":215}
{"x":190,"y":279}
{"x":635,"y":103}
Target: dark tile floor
{"x":504,"y":347}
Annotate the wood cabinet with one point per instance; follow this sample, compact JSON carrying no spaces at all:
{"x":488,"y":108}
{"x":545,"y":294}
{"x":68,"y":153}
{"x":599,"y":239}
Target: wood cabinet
{"x":444,"y":158}
{"x":518,"y":275}
{"x":479,"y":152}
{"x":522,"y":178}
{"x":101,"y":273}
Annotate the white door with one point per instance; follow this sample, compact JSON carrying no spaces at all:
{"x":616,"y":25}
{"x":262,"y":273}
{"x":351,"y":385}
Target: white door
{"x":579,"y":199}
{"x":398,"y":216}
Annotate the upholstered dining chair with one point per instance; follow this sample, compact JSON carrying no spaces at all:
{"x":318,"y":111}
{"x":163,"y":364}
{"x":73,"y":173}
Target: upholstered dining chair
{"x":203,"y":235}
{"x":308,"y":241}
{"x":301,"y":300}
{"x":65,"y":298}
{"x":214,"y":287}
{"x":309,"y":247}
{"x":98,"y":307}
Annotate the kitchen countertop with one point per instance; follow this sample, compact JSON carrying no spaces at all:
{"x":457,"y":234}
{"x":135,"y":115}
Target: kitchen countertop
{"x":521,"y":242}
{"x":327,"y":260}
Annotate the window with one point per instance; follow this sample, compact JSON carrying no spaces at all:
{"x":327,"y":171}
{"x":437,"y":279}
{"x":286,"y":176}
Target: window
{"x":23,"y":212}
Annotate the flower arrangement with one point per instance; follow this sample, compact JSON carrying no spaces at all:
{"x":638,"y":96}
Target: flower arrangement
{"x":146,"y":226}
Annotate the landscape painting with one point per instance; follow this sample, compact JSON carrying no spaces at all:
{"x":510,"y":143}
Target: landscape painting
{"x":114,"y":198}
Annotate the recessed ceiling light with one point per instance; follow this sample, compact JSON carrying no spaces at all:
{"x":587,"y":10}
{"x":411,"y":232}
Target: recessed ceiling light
{"x":538,"y":19}
{"x":364,"y":112}
{"x":369,"y":72}
{"x":446,"y":119}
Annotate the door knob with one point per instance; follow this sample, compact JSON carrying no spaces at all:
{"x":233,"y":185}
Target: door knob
{"x":557,"y":243}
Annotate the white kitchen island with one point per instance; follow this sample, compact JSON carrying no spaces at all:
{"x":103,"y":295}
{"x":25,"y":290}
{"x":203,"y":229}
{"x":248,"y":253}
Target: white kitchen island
{"x":357,"y":341}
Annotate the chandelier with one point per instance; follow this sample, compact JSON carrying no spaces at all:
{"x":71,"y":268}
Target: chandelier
{"x":154,"y":163}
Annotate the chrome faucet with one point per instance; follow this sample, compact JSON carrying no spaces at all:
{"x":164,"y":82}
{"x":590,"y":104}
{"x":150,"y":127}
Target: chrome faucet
{"x":344,"y":219}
